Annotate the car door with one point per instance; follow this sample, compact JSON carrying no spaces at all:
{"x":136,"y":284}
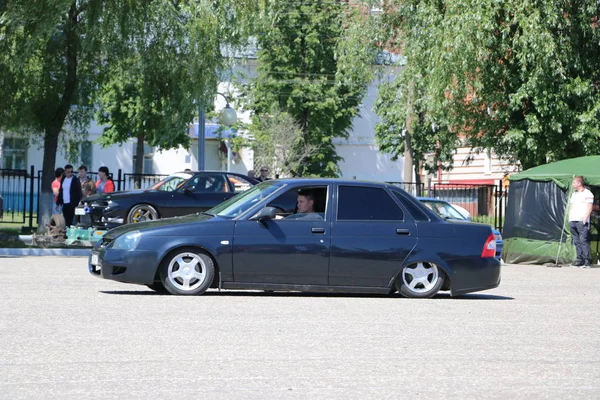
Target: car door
{"x":283,"y":251}
{"x":370,"y":238}
{"x":202,"y":192}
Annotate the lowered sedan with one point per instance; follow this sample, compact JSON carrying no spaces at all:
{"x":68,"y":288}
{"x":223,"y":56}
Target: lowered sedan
{"x":355,"y":237}
{"x":179,"y":194}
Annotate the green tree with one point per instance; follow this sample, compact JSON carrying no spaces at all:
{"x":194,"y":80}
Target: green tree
{"x":279,"y":144}
{"x":408,"y":125}
{"x":55,"y":55}
{"x":314,"y":63}
{"x":519,"y":77}
{"x":428,"y":141}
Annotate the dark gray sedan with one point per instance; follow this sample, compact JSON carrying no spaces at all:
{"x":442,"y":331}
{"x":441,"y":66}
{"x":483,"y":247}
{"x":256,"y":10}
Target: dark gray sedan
{"x":320,"y":235}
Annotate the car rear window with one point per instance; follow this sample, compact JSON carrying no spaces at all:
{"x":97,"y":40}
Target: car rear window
{"x":413,"y":208}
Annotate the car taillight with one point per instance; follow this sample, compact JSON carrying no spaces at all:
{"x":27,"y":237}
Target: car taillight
{"x":489,"y":248}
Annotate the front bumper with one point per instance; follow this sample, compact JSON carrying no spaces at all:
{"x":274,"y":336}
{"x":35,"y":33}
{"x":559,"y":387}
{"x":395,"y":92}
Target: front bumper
{"x":129,"y":266}
{"x":98,"y":216}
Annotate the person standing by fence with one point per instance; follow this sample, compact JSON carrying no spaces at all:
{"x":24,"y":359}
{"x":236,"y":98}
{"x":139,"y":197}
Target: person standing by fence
{"x":88,"y":187}
{"x":69,"y":195}
{"x":104,"y":184}
{"x":58,"y":174}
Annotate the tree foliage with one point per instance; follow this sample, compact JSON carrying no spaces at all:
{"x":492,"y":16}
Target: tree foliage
{"x":314,"y":63}
{"x":519,"y":77}
{"x":56,"y":54}
{"x":279,"y":144}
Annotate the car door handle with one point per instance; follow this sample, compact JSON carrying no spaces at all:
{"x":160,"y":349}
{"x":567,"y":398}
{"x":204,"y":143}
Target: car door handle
{"x":318,"y":230}
{"x":403,"y":232}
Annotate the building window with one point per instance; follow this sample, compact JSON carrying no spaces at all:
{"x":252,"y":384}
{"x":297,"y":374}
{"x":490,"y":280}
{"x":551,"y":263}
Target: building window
{"x":148,"y":167}
{"x":14,"y":153}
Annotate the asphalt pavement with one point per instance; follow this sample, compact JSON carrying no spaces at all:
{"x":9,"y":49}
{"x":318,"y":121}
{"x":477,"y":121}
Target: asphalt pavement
{"x":65,"y":334}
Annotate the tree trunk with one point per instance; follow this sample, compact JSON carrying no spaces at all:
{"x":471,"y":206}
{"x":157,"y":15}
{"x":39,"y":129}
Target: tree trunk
{"x":48,"y":167}
{"x":56,"y":122}
{"x":417,"y":191}
{"x":139,"y":161}
{"x":408,"y":151}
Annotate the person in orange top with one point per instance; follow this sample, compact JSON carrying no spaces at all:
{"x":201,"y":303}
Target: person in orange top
{"x":104,"y":184}
{"x":58,"y":173}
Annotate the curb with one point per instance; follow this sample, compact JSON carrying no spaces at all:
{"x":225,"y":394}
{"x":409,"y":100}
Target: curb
{"x":45,"y":252}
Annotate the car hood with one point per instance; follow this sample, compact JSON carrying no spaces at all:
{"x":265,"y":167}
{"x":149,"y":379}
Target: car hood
{"x":143,"y":226}
{"x":117,"y":195}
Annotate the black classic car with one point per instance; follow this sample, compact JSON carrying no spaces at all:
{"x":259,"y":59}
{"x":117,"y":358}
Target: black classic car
{"x":179,"y":194}
{"x":355,"y":237}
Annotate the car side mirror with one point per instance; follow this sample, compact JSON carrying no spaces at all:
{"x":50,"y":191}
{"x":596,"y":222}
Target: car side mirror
{"x":264,"y":214}
{"x":189,"y":189}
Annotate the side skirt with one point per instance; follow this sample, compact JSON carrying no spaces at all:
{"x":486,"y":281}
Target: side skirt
{"x":305,"y":288}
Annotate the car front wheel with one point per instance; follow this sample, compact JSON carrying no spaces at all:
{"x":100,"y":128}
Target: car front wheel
{"x":141,"y":213}
{"x":187,"y":272}
{"x":420,"y":280}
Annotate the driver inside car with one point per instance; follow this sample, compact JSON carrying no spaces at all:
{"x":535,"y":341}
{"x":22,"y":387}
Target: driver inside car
{"x":306,"y":207}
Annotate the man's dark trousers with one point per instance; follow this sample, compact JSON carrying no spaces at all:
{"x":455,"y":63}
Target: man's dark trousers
{"x":69,"y":214}
{"x":580,"y":234}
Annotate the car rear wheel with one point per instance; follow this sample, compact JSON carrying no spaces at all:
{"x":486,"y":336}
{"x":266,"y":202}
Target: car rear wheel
{"x":187,"y":272}
{"x":420,"y":280}
{"x":141,"y":213}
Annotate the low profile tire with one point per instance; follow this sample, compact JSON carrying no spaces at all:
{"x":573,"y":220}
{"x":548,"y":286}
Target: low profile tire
{"x":141,"y":213}
{"x":187,"y":272}
{"x":158,"y":287}
{"x":420,"y":280}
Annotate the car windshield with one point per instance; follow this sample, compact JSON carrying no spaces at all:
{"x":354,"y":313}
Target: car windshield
{"x":245,"y":200}
{"x":172,"y":182}
{"x":443,"y":209}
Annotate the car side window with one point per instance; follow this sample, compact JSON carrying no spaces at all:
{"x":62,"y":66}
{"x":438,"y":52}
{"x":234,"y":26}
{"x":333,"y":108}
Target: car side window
{"x":239,"y":183}
{"x":314,"y":203}
{"x":413,"y":209}
{"x":362,"y":203}
{"x":209,"y":184}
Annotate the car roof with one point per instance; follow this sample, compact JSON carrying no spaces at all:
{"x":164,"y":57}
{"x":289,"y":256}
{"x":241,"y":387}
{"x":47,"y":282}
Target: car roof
{"x":325,"y":181}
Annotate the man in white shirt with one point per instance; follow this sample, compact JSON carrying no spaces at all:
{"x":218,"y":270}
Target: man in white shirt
{"x":580,"y":209}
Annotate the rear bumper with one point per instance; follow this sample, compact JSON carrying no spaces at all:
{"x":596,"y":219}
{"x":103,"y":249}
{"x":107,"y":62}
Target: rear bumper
{"x":474,"y":274}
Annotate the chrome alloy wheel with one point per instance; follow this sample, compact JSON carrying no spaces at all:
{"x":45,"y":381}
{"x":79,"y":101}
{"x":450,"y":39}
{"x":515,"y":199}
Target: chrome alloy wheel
{"x":186,"y":271}
{"x":142,"y":213}
{"x":420,"y":277}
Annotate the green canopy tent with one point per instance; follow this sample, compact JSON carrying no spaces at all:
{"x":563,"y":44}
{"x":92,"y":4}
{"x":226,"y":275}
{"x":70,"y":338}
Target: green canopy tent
{"x":536,"y":229}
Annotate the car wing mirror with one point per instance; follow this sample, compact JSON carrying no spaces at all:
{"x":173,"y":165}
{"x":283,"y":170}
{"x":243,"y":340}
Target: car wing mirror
{"x":264,"y":214}
{"x":189,"y":189}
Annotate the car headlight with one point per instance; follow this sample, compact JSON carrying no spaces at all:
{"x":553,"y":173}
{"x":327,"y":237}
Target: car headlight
{"x":128,"y":241}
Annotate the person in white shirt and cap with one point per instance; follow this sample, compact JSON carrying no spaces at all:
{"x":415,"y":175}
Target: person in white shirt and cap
{"x":580,"y":209}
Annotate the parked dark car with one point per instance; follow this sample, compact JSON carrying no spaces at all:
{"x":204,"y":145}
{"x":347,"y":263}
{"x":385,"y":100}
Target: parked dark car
{"x":179,"y":194}
{"x":363,"y":237}
{"x":449,"y":211}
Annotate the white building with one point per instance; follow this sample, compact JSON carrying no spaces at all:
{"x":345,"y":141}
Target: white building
{"x":362,"y":159}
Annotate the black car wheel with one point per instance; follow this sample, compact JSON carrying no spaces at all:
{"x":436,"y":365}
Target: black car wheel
{"x":187,"y":272}
{"x":141,"y":213}
{"x":420,"y":280}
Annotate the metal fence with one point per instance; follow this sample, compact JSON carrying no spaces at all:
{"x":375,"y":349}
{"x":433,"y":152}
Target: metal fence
{"x":20,"y":191}
{"x":414,"y":188}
